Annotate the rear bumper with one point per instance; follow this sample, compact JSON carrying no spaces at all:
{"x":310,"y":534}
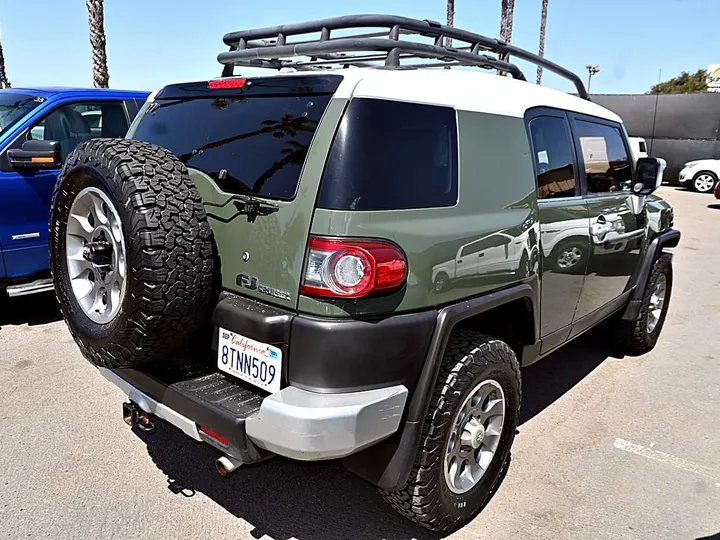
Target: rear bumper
{"x":294,"y":423}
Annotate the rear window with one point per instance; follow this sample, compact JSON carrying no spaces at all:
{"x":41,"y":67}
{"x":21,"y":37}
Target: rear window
{"x":259,"y":143}
{"x":389,"y":155}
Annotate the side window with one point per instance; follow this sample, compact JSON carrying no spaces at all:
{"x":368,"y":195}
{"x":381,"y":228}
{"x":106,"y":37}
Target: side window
{"x":77,"y":122}
{"x":643,"y":147}
{"x":554,"y":157}
{"x":475,"y":247}
{"x":605,"y":157}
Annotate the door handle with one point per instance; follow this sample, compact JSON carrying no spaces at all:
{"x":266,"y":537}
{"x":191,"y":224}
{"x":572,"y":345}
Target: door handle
{"x":459,"y":261}
{"x":481,"y":254}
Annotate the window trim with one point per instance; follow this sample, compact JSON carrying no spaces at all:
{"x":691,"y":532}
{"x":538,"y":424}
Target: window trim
{"x":574,"y":118}
{"x":540,"y":112}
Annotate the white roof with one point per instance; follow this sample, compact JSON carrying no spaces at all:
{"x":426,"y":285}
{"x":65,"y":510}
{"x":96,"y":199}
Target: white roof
{"x":463,"y":90}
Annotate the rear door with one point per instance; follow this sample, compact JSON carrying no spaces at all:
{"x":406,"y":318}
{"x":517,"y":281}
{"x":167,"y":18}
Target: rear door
{"x":616,"y":231}
{"x":564,"y":222}
{"x":25,"y":196}
{"x":256,"y":149}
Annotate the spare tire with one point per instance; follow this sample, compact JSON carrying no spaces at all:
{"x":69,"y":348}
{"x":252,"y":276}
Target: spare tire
{"x":131,"y":253}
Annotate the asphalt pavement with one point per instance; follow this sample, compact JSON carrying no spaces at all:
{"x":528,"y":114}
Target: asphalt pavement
{"x":616,"y":448}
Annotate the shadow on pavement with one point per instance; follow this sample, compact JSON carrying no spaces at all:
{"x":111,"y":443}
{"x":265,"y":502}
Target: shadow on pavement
{"x":284,"y":499}
{"x":711,"y":537}
{"x":714,"y":207}
{"x":280,"y":498}
{"x":552,"y":377}
{"x":33,"y":309}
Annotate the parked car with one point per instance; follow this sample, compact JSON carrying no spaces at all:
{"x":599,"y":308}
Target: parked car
{"x":39,"y":127}
{"x":638,"y":147}
{"x":299,"y":217}
{"x":701,"y":175}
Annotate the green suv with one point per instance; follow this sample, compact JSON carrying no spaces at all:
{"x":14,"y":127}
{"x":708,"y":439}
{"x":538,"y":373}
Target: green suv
{"x":355,"y":263}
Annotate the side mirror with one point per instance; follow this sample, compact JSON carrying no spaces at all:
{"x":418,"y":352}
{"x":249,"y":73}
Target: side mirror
{"x":648,"y":175}
{"x":36,"y":155}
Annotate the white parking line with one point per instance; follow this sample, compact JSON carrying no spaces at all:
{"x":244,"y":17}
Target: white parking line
{"x":662,"y":457}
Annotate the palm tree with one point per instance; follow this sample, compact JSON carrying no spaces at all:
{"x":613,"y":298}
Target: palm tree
{"x":4,"y":83}
{"x":541,"y":49}
{"x":507,"y":7}
{"x":450,"y":19}
{"x":96,"y":21}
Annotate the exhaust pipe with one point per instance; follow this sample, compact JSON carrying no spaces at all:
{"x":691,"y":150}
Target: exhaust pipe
{"x":227,"y":464}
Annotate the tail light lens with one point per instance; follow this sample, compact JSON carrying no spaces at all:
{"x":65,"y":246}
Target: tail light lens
{"x":347,"y":268}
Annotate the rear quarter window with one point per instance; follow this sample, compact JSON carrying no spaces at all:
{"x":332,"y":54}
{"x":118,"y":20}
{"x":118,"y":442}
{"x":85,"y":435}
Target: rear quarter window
{"x":390,"y":156}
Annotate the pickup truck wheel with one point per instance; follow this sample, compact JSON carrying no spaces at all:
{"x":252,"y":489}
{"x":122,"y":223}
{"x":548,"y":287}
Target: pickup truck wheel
{"x":570,"y":257}
{"x":131,"y":253}
{"x":467,"y":435}
{"x":639,"y":336}
{"x":441,"y":282}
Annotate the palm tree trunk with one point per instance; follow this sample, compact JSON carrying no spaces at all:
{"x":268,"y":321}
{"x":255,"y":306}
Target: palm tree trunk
{"x":4,"y":83}
{"x":96,"y":21}
{"x":450,"y":19}
{"x":450,"y":22}
{"x":541,"y":48}
{"x":507,"y":8}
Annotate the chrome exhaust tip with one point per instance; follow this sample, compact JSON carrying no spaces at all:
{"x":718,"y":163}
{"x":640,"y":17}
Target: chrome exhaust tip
{"x":226,"y":464}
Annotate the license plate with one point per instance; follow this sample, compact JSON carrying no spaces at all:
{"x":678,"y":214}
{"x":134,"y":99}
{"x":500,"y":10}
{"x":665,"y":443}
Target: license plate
{"x":252,"y":361}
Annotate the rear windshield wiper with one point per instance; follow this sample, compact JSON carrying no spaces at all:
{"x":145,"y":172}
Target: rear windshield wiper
{"x":253,"y":207}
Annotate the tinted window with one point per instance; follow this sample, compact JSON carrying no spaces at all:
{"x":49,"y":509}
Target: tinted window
{"x":77,"y":122}
{"x":554,"y":157}
{"x":607,"y":166}
{"x":391,"y":155}
{"x":14,"y":106}
{"x":259,"y":143}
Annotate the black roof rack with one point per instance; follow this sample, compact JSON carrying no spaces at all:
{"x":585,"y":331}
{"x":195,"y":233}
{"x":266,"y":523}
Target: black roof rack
{"x":269,"y":48}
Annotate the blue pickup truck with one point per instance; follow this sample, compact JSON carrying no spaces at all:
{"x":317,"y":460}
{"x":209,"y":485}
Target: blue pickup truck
{"x":39,"y":127}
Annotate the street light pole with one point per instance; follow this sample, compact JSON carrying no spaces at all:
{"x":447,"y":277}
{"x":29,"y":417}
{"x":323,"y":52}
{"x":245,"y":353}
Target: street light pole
{"x":592,"y":70}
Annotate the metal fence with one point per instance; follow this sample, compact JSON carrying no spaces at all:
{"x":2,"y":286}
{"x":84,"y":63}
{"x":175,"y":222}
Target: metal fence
{"x":677,"y":127}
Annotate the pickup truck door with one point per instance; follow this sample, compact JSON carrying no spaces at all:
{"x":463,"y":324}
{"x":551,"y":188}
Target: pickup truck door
{"x":25,"y":196}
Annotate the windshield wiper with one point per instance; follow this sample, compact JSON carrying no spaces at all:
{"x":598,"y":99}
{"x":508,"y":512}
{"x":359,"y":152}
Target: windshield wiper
{"x":253,"y":207}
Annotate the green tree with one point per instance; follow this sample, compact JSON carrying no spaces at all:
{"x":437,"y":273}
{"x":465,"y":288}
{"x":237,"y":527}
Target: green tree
{"x":682,"y":84}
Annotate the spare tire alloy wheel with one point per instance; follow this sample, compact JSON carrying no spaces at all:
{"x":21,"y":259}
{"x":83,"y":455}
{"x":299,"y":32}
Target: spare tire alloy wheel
{"x":131,"y":254}
{"x":96,"y":256}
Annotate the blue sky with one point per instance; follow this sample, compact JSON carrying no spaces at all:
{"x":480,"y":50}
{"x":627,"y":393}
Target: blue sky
{"x":154,"y":43}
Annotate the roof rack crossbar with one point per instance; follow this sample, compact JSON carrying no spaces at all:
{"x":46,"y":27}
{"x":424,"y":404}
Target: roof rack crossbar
{"x":469,"y":53}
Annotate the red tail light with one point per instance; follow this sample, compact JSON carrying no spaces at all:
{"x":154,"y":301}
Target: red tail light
{"x":347,"y":268}
{"x":222,"y":84}
{"x":219,"y":438}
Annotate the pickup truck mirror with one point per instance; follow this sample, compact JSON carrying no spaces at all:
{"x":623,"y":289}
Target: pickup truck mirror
{"x":36,"y":155}
{"x":648,"y":175}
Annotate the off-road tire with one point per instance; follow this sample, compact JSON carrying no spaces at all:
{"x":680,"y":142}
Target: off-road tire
{"x":632,"y":337}
{"x":469,"y":359}
{"x":169,"y":252}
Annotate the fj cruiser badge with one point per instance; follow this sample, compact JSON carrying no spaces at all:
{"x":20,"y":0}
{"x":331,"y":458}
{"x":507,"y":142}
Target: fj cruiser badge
{"x":250,"y":282}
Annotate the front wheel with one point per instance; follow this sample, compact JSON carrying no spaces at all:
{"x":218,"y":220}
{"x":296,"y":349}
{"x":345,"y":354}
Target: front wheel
{"x":704,"y":182}
{"x":467,"y":436}
{"x":639,"y":336}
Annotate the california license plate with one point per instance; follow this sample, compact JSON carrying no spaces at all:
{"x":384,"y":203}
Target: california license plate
{"x":252,"y":361}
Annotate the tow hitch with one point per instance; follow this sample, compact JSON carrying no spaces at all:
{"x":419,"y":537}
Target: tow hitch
{"x":134,"y":416}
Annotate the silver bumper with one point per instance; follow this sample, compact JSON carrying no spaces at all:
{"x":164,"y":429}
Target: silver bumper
{"x":299,"y":424}
{"x":310,"y":426}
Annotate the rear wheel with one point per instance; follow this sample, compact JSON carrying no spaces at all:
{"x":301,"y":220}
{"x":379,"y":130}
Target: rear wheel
{"x":704,"y":182}
{"x":131,"y":253}
{"x":640,"y":335}
{"x":467,"y":435}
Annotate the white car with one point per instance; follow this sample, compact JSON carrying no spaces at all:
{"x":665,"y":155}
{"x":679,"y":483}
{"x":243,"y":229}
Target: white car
{"x":701,"y":175}
{"x":638,"y":147}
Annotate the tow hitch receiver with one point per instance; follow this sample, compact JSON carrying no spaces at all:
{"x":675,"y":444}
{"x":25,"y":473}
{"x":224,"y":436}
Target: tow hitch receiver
{"x":134,"y":416}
